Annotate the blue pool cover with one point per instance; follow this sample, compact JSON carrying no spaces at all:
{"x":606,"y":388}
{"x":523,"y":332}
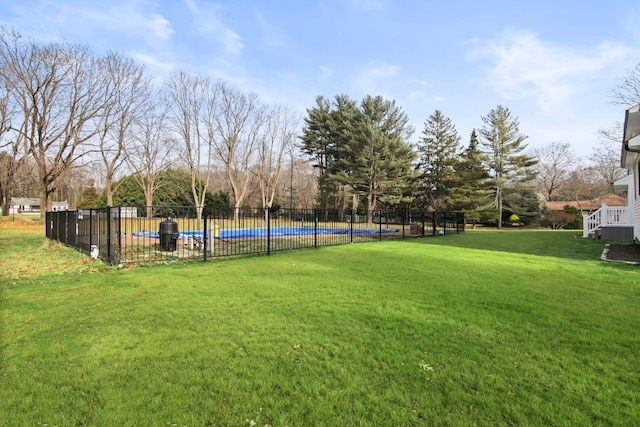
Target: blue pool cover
{"x":234,"y":233}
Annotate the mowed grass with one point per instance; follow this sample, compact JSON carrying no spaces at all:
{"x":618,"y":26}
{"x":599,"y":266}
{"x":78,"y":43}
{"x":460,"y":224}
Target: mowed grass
{"x":484,"y":328}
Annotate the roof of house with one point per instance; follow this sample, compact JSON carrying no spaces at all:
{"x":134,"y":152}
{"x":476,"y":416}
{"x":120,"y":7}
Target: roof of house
{"x":631,"y":139}
{"x":32,"y":201}
{"x":25,"y":201}
{"x":587,"y":205}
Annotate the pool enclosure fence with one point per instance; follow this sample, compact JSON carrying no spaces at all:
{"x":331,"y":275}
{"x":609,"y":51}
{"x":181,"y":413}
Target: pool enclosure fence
{"x":170,"y":233}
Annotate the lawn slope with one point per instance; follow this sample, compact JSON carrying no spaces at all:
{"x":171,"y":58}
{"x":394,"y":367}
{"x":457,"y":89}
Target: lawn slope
{"x":500,"y":328}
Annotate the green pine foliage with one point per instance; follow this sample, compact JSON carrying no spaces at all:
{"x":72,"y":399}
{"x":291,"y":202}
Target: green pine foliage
{"x":504,"y":144}
{"x":438,"y":152}
{"x":89,"y":198}
{"x":175,"y":190}
{"x":361,"y":151}
{"x":319,"y":143}
{"x":523,"y":202}
{"x":472,"y":193}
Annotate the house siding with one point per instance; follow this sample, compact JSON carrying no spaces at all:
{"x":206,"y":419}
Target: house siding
{"x":635,"y":190}
{"x":636,"y":219}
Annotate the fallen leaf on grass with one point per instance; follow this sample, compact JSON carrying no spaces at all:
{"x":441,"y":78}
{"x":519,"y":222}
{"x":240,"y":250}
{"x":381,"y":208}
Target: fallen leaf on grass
{"x":424,"y":366}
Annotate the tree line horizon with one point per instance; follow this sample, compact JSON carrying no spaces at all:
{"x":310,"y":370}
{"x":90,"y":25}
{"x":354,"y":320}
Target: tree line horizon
{"x":70,"y":118}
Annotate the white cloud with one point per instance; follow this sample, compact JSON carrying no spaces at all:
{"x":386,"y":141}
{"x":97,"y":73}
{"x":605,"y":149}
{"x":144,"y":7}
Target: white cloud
{"x":58,"y":20}
{"x":207,"y":22}
{"x":123,"y":18}
{"x":272,"y":35}
{"x":160,"y":26}
{"x":156,"y":64}
{"x":230,"y":40}
{"x":325,"y":72}
{"x":373,"y":79}
{"x":520,"y":65}
{"x":191,"y":5}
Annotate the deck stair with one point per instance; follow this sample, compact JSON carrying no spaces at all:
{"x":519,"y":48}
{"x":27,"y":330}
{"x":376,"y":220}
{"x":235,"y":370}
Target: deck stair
{"x":606,"y":216}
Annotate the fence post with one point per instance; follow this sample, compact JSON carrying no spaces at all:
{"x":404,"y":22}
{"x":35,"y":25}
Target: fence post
{"x":109,"y":234}
{"x":380,"y":221}
{"x":444,"y":228}
{"x":403,"y":213}
{"x":205,"y":236}
{"x":268,"y":212}
{"x":433,"y":223}
{"x":422,"y":221}
{"x":315,"y":227}
{"x":90,"y":229}
{"x":76,"y":244}
{"x":118,"y":260}
{"x":351,"y":230}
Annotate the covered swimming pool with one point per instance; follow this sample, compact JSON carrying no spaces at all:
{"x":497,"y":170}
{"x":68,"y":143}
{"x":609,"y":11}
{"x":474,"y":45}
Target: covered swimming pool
{"x":237,"y":233}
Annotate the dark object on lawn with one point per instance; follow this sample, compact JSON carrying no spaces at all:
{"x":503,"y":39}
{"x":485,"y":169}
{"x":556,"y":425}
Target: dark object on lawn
{"x":168,"y":235}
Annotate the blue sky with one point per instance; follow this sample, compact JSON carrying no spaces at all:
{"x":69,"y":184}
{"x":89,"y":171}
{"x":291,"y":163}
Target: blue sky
{"x":552,"y":63}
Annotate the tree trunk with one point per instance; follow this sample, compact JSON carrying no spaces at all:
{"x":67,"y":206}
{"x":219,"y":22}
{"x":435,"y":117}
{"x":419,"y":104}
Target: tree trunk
{"x":499,"y":203}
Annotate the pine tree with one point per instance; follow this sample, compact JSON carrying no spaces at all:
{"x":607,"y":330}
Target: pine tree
{"x":522,"y":201}
{"x":383,"y":159}
{"x":319,"y":143}
{"x":503,"y":144}
{"x":438,"y":152}
{"x":471,"y":193}
{"x":361,"y":150}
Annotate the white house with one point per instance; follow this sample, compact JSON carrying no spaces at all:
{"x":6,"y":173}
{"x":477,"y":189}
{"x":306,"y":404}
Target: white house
{"x":24,"y":205}
{"x":622,"y":223}
{"x":629,"y":158}
{"x":32,"y":205}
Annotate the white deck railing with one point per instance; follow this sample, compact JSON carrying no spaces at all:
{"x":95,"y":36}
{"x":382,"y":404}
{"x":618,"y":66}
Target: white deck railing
{"x":606,"y":216}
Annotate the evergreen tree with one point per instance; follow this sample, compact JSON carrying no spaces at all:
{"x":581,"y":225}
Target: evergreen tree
{"x":361,"y":151}
{"x":471,"y":193}
{"x":174,"y":191}
{"x":319,"y":143}
{"x":218,"y":201}
{"x":381,"y":157}
{"x":503,"y":144}
{"x":522,"y":201}
{"x":345,"y":125}
{"x":438,"y":152}
{"x":89,"y":198}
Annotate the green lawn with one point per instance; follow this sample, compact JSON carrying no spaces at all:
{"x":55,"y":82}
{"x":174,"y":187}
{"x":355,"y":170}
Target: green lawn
{"x":485,"y":328}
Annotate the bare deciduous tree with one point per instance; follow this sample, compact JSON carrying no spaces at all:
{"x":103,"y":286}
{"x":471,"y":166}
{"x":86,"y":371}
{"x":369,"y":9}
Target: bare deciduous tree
{"x":605,"y":159}
{"x":128,"y":87}
{"x":279,"y":133}
{"x":149,"y":154}
{"x":582,"y":184}
{"x":10,"y":160}
{"x":192,"y":108}
{"x":59,"y":95}
{"x":238,"y":124}
{"x":555,"y":162}
{"x":627,"y":91}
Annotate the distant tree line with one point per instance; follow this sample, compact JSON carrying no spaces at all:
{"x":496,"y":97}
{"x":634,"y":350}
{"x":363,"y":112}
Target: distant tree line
{"x":70,"y":119}
{"x":96,"y":130}
{"x":365,"y":161}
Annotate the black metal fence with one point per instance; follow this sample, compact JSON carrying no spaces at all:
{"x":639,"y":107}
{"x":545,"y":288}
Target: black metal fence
{"x":124,"y":235}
